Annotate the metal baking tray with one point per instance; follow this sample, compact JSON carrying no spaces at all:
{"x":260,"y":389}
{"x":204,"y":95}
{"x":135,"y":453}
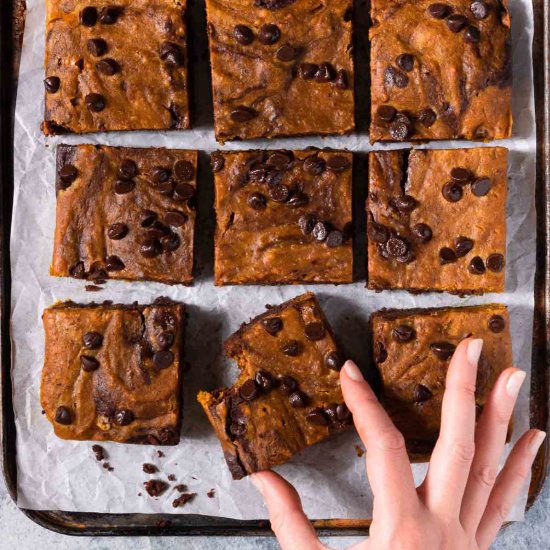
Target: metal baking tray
{"x":12,"y":14}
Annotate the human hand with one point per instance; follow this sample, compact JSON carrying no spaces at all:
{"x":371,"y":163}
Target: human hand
{"x":462,"y":502}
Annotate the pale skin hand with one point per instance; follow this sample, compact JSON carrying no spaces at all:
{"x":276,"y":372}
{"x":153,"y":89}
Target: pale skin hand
{"x":461,"y":504}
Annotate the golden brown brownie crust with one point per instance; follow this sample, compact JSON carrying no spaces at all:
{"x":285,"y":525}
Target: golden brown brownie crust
{"x":283,"y":217}
{"x":419,"y":239}
{"x":119,"y":66}
{"x":440,"y":70}
{"x":288,"y":395}
{"x":281,"y":68}
{"x":138,"y":227}
{"x":412,"y":349}
{"x":113,"y":373}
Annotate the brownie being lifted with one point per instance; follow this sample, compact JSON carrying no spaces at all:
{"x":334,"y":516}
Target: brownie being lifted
{"x":283,"y":217}
{"x":440,"y":70}
{"x":115,"y":66}
{"x":288,"y":395}
{"x":437,"y":220}
{"x":281,"y":67}
{"x":113,"y":372}
{"x":412,"y":349}
{"x":125,"y":213}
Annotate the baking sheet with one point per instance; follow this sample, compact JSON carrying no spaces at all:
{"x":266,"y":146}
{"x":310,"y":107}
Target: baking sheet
{"x":56,"y":474}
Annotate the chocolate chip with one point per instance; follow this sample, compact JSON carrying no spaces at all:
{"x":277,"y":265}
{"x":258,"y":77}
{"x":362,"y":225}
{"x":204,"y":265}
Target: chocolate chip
{"x":184,"y":170}
{"x":335,"y":239}
{"x":325,"y":73}
{"x":279,"y":193}
{"x":243,"y":114}
{"x":172,"y":54}
{"x":264,"y":380}
{"x":159,"y":174}
{"x":88,"y":16}
{"x":298,"y":199}
{"x":114,"y":263}
{"x":472,"y":34}
{"x":183,"y":192}
{"x":481,"y":186}
{"x":269,"y":34}
{"x":342,"y":81}
{"x":108,"y":67}
{"x":243,"y":35}
{"x":151,"y":248}
{"x":217,"y":161}
{"x":166,"y":339}
{"x":447,"y":256}
{"x":476,"y":266}
{"x":67,"y":175}
{"x":237,"y":429}
{"x":308,"y":70}
{"x":463,"y":246}
{"x":88,"y":363}
{"x":343,"y":414}
{"x":403,"y":333}
{"x":110,"y":14}
{"x":480,"y":10}
{"x":272,"y":325}
{"x":314,"y":331}
{"x":452,"y":192}
{"x":380,"y":353}
{"x":456,"y":22}
{"x":280,"y":160}
{"x":314,"y":165}
{"x":378,"y":233}
{"x":297,"y":400}
{"x":249,"y":390}
{"x":147,"y":218}
{"x":399,"y":130}
{"x":128,"y":169}
{"x":78,"y":271}
{"x":393,"y":77}
{"x":396,"y":246}
{"x":163,"y":359}
{"x":320,"y":231}
{"x":51,"y":84}
{"x":123,"y":417}
{"x":175,"y":218}
{"x":286,"y":53}
{"x":287,"y":384}
{"x":333,"y":361}
{"x":421,"y":393}
{"x":338,"y":163}
{"x":386,"y":113}
{"x":95,"y":103}
{"x":63,"y":416}
{"x":439,"y":11}
{"x":405,"y":61}
{"x":97,"y":46}
{"x":92,"y":340}
{"x":307,"y":223}
{"x":317,"y":417}
{"x":404,"y":203}
{"x":124,"y":186}
{"x":496,"y":324}
{"x":495,"y":263}
{"x":427,"y":117}
{"x":443,"y":350}
{"x":462,"y":176}
{"x":422,"y":232}
{"x":170,"y":242}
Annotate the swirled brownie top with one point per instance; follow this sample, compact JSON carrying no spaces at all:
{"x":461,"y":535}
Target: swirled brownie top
{"x":113,"y":373}
{"x":281,"y":67}
{"x":288,"y":395}
{"x":283,"y":217}
{"x":436,"y":220}
{"x":412,"y":349}
{"x":125,"y":213}
{"x":115,"y":66}
{"x":440,"y":70}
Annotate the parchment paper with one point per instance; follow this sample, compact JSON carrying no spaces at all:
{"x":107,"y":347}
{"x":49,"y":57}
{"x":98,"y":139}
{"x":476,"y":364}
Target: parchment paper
{"x":56,"y":474}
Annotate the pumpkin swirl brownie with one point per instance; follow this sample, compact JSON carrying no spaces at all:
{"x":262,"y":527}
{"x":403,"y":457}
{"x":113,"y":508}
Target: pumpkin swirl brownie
{"x":412,"y":349}
{"x":119,"y":66}
{"x":288,"y":395}
{"x":113,"y":372}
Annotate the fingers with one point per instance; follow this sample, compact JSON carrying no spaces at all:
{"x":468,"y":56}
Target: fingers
{"x":454,"y":450}
{"x":509,"y":484}
{"x":388,"y":464}
{"x":288,"y":521}
{"x":490,"y":439}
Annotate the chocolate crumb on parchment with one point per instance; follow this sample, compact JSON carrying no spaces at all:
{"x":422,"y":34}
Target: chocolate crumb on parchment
{"x":172,"y":477}
{"x":150,"y":468}
{"x":211,"y":493}
{"x":108,"y":467}
{"x":160,"y":454}
{"x":181,"y":488}
{"x":183,"y":499}
{"x":155,"y":487}
{"x":99,"y":452}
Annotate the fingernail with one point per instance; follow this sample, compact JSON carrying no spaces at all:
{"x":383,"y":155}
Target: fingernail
{"x":536,"y":442}
{"x":352,"y":370}
{"x":474,"y":351}
{"x":258,"y":483}
{"x":514,"y":383}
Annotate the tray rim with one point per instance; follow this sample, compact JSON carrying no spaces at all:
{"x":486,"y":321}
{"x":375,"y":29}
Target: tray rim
{"x":99,"y":524}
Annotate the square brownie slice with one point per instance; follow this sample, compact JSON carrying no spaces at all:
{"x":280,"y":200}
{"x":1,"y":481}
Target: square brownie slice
{"x":113,"y":372}
{"x":412,"y":349}
{"x":288,"y":394}
{"x":283,"y":217}
{"x":119,"y":66}
{"x":125,"y":213}
{"x":440,"y":70}
{"x":436,"y":220}
{"x":281,"y":67}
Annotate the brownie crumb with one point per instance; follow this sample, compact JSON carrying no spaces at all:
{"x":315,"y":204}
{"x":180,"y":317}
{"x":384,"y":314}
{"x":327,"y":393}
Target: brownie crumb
{"x":161,"y":523}
{"x":99,"y":452}
{"x":155,"y":487}
{"x":183,"y":499}
{"x":181,"y":488}
{"x":93,"y":288}
{"x":211,"y":493}
{"x":172,"y":477}
{"x":108,"y":467}
{"x":359,"y":451}
{"x":160,"y":454}
{"x":150,"y":468}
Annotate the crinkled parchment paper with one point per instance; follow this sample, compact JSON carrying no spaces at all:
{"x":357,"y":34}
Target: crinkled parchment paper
{"x":56,"y":474}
